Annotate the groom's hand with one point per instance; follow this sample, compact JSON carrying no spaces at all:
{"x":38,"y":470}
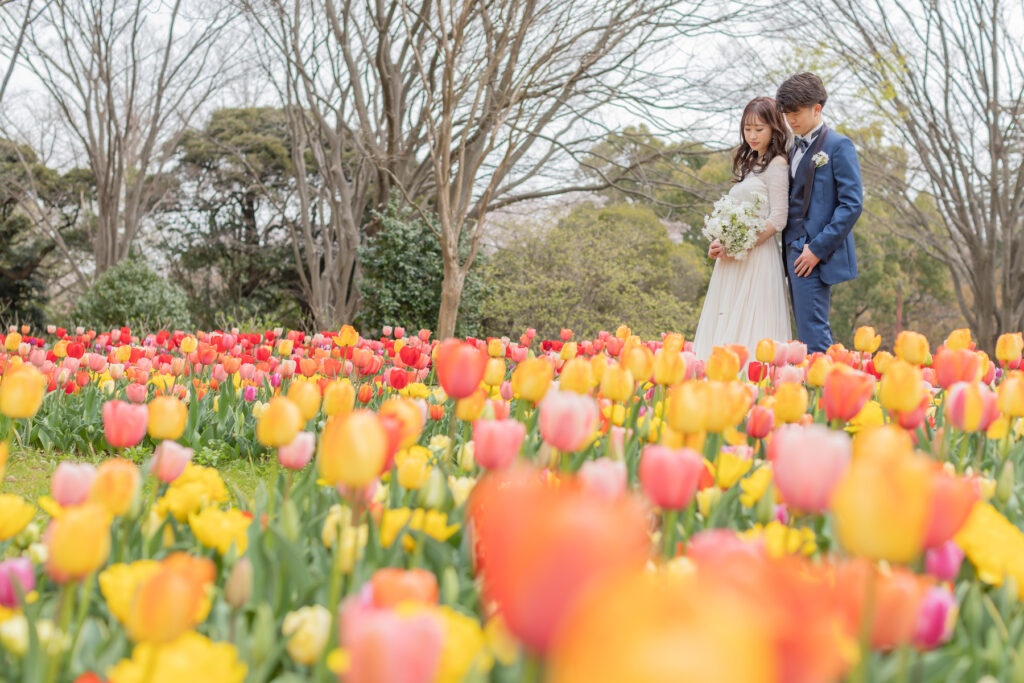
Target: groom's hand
{"x":805,"y":262}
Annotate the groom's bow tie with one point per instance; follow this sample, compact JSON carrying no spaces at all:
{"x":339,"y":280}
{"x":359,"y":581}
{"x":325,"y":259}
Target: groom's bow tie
{"x":803,"y":143}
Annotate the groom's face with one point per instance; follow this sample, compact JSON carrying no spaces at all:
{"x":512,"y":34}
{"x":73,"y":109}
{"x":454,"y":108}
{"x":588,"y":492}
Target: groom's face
{"x":804,"y":120}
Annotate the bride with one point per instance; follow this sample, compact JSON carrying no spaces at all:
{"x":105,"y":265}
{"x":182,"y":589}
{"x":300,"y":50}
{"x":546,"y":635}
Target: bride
{"x":747,"y":299}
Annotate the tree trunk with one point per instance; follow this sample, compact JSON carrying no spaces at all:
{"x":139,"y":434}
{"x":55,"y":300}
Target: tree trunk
{"x":451,"y":295}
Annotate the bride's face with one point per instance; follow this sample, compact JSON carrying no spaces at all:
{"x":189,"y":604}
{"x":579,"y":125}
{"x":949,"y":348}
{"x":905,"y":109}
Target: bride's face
{"x":757,"y":133}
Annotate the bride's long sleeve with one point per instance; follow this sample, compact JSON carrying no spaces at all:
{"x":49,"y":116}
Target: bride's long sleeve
{"x":776,"y":177}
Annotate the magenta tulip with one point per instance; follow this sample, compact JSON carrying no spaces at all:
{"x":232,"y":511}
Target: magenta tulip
{"x":496,"y":443}
{"x":70,"y":483}
{"x":124,"y":424}
{"x":669,"y":476}
{"x":944,"y":561}
{"x":808,"y":463}
{"x":17,"y":570}
{"x":936,"y":619}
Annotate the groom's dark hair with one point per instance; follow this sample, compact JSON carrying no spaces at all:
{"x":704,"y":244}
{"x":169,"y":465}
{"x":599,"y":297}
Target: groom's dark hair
{"x":800,"y":90}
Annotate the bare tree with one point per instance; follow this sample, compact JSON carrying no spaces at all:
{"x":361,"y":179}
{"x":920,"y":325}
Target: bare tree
{"x":511,"y":88}
{"x":14,"y":21}
{"x":948,"y":75}
{"x":126,"y":76}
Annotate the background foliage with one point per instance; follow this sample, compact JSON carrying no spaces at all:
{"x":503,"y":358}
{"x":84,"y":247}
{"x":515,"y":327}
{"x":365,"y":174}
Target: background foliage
{"x":132,"y":294}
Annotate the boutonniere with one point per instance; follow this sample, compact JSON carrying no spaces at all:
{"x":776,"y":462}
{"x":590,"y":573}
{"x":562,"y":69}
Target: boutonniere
{"x":819,"y":159}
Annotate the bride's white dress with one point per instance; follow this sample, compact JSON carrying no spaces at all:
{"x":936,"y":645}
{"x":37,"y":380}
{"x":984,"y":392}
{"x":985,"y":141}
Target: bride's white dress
{"x":747,"y":299}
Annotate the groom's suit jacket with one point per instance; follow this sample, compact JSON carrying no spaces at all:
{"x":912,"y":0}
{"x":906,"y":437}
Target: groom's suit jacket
{"x":824,"y":203}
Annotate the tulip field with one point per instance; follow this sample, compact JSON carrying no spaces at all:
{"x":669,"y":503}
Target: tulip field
{"x":607,"y":509}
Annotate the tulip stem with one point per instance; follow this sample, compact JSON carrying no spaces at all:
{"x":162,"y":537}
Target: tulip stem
{"x":867,"y":621}
{"x":83,"y":608}
{"x":67,"y":604}
{"x":668,"y":532}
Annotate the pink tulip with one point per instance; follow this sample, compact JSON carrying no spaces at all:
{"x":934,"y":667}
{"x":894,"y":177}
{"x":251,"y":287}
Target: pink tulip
{"x":37,"y":357}
{"x":219,"y":373}
{"x":15,"y":570}
{"x":386,"y":331}
{"x":497,"y":442}
{"x":124,"y":424}
{"x":604,"y":477}
{"x":299,"y":452}
{"x":713,"y":546}
{"x":169,"y":460}
{"x":567,"y":420}
{"x":384,"y":646}
{"x":71,"y":364}
{"x":669,"y":476}
{"x":71,"y":482}
{"x":790,"y":373}
{"x":247,"y":371}
{"x":936,"y":619}
{"x":808,"y":464}
{"x":781,"y":354}
{"x":249,"y":393}
{"x":944,"y":561}
{"x":144,"y":365}
{"x":690,"y":358}
{"x":796,"y":352}
{"x":971,"y":406}
{"x":136,"y":393}
{"x":506,"y":390}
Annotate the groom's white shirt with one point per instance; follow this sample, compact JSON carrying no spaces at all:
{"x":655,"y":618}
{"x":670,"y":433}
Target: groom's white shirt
{"x":798,"y":153}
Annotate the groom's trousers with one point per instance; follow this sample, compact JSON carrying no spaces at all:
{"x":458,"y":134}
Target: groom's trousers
{"x":811,"y":299}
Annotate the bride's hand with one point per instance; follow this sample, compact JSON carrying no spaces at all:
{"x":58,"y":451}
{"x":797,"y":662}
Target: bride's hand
{"x":716,"y":250}
{"x":766,"y":234}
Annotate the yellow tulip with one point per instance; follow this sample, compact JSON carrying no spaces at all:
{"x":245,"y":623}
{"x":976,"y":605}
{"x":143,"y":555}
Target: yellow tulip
{"x":285,"y":347}
{"x":21,"y":392}
{"x":790,"y":402}
{"x":569,"y":350}
{"x":413,"y":467}
{"x":15,"y":514}
{"x":305,"y":395}
{"x":959,"y":339}
{"x":189,"y":344}
{"x":167,"y":417}
{"x":470,"y":408}
{"x":353,"y":449}
{"x":686,"y":407}
{"x":220,"y":529}
{"x":617,"y":383}
{"x":882,"y":505}
{"x":765,"y":351}
{"x":866,"y":340}
{"x":730,"y":468}
{"x":339,"y":397}
{"x":409,"y":416}
{"x":1011,"y":395}
{"x":912,"y":347}
{"x":78,"y":542}
{"x":673,"y":341}
{"x":639,"y":360}
{"x":1009,"y":347}
{"x":531,"y":379}
{"x":669,"y":367}
{"x":723,"y":364}
{"x":900,"y":389}
{"x":347,"y":336}
{"x":191,"y":657}
{"x":279,"y":423}
{"x":494,"y":374}
{"x":818,"y":372}
{"x":577,"y":376}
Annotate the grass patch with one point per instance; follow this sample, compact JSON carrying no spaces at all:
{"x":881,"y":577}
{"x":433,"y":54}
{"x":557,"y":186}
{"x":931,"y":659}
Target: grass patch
{"x":28,"y":471}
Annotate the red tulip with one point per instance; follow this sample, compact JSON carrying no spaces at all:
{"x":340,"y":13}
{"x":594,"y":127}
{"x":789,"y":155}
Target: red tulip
{"x":460,"y":367}
{"x":951,"y":502}
{"x":124,"y":424}
{"x":669,"y":476}
{"x":808,"y":463}
{"x":760,"y":422}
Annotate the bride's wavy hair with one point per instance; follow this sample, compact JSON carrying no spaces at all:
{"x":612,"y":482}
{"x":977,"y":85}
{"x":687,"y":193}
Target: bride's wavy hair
{"x":746,"y":160}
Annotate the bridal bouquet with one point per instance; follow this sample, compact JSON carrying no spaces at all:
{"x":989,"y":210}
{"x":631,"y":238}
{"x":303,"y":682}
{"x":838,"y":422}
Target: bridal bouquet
{"x":735,"y":224}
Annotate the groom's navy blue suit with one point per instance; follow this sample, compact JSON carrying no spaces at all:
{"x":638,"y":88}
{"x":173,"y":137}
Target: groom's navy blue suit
{"x":824,"y":203}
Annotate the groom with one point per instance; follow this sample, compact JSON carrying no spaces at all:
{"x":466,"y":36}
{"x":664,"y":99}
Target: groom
{"x":825,"y":200}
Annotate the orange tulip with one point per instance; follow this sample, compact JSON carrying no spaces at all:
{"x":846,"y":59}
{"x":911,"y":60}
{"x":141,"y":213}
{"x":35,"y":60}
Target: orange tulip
{"x":115,"y":486}
{"x":540,"y":547}
{"x":639,"y":360}
{"x":951,"y":502}
{"x":460,"y":367}
{"x":846,"y":392}
{"x":166,"y":604}
{"x":899,"y":594}
{"x":409,"y":416}
{"x":392,"y":586}
{"x":952,"y":366}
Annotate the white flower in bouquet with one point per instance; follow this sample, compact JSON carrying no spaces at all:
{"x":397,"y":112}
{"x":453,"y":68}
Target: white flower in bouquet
{"x":736,"y":224}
